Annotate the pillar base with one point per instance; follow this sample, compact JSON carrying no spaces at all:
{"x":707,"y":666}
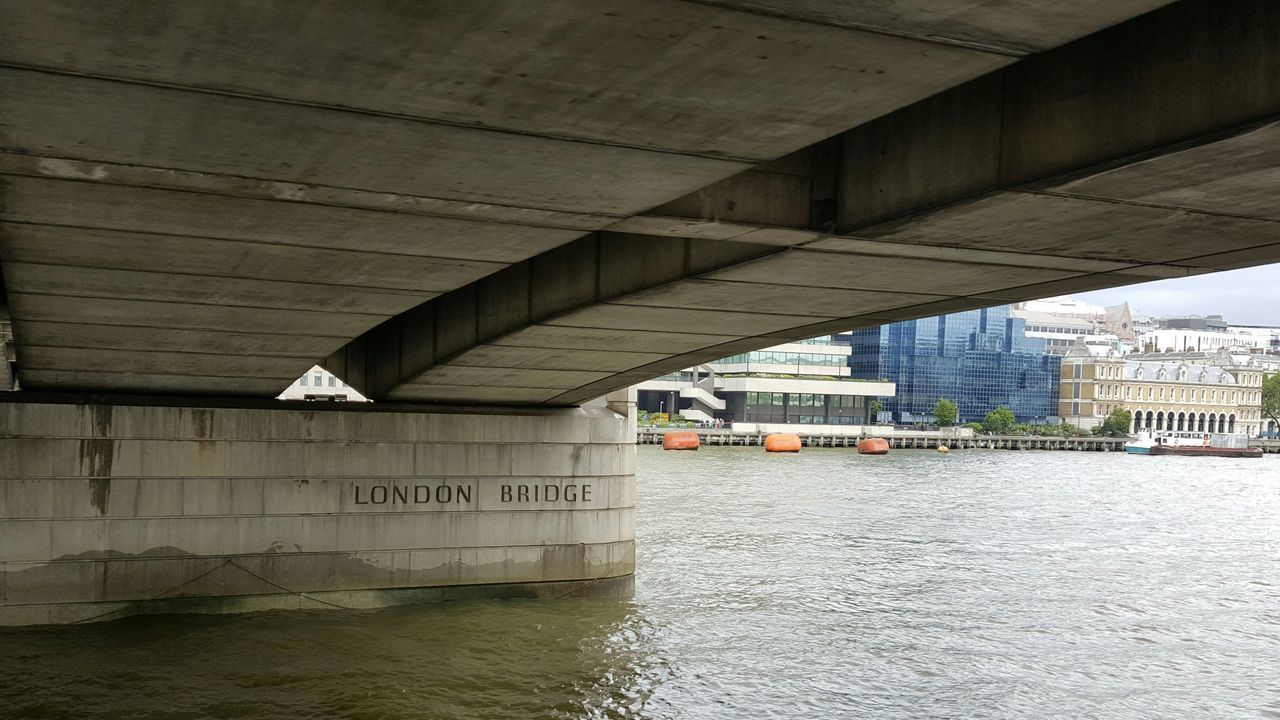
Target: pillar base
{"x":115,"y":509}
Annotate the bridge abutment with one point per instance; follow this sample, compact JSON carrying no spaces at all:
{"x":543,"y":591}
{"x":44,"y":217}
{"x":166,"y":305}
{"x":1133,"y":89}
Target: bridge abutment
{"x":108,"y":510}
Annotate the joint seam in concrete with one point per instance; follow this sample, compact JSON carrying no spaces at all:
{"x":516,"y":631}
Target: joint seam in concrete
{"x":596,"y":219}
{"x":419,"y":119}
{"x":978,"y":47}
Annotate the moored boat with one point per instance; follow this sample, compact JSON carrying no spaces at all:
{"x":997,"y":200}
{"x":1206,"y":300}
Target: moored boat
{"x":873,"y":446}
{"x":680,"y":440}
{"x":782,"y":442}
{"x":1195,"y":444}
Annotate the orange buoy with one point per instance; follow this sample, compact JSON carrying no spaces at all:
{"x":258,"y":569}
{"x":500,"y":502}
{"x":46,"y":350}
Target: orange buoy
{"x":873,"y":446}
{"x":683,"y":440}
{"x":782,"y":442}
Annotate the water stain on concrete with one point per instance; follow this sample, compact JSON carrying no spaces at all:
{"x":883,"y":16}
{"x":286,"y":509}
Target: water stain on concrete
{"x":97,"y":455}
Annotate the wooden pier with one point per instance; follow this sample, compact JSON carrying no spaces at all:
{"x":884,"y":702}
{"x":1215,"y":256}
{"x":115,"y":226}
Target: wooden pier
{"x":1268,"y":446}
{"x":713,"y":438}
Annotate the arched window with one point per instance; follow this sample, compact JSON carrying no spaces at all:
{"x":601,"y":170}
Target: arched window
{"x":1160,"y":420}
{"x":1231,"y":423}
{"x":1182,"y":422}
{"x":1150,"y":419}
{"x":1200,"y":425}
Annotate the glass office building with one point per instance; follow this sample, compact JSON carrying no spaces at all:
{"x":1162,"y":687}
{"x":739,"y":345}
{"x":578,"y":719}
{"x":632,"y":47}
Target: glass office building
{"x":978,"y":359}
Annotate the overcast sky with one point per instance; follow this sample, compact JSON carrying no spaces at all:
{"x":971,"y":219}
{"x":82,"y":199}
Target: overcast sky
{"x":1246,"y":297}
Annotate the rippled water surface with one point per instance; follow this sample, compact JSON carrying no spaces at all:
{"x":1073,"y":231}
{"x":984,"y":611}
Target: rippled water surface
{"x":918,"y":585}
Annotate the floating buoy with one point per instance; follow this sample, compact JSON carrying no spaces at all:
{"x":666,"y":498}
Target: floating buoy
{"x":944,"y":449}
{"x":680,"y":441}
{"x":873,"y":446}
{"x":782,"y":442}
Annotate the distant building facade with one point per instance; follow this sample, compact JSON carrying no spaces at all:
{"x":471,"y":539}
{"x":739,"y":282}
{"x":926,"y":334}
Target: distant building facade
{"x":7,"y":356}
{"x":320,"y":384}
{"x":1161,"y":393}
{"x":978,"y":359}
{"x":800,"y":383}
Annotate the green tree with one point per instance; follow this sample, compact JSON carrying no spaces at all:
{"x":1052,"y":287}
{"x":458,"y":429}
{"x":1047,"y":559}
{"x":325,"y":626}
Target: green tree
{"x":873,"y":410}
{"x":976,"y":427}
{"x":999,"y":420}
{"x":1271,"y":397}
{"x":945,"y":412}
{"x":1117,"y":423}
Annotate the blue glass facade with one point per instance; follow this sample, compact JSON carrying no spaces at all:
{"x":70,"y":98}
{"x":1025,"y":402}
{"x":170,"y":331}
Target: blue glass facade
{"x":978,"y":359}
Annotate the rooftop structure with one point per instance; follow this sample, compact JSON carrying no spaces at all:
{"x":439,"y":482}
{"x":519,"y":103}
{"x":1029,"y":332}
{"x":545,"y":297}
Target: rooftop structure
{"x":1212,"y":323}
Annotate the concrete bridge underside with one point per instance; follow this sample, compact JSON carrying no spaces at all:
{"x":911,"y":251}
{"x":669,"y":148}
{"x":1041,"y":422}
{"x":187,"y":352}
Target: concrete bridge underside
{"x":537,"y":203}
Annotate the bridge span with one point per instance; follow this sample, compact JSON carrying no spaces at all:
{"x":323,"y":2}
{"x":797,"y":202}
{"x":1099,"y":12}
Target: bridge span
{"x":506,"y":210}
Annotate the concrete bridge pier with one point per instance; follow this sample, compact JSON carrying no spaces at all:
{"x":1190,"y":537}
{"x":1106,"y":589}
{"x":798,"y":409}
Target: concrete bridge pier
{"x":110,"y":509}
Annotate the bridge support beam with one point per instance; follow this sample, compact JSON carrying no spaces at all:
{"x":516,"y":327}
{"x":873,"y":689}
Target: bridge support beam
{"x":113,"y":509}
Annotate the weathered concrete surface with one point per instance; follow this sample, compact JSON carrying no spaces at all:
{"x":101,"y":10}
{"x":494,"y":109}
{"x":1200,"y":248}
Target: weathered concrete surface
{"x":1142,"y":152}
{"x":107,"y":510}
{"x":222,"y":195}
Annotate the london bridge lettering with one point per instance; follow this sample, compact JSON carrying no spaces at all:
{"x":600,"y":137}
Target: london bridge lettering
{"x":392,"y":494}
{"x":521,"y":492}
{"x":460,"y":493}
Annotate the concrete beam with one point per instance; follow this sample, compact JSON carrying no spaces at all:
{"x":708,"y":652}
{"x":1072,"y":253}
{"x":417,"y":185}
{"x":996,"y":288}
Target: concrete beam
{"x":544,"y":291}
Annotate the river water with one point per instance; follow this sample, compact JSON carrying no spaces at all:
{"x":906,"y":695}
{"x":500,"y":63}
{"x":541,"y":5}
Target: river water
{"x":979,"y":584}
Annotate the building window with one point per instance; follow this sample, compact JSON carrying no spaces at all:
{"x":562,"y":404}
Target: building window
{"x":333,"y":381}
{"x":302,"y":381}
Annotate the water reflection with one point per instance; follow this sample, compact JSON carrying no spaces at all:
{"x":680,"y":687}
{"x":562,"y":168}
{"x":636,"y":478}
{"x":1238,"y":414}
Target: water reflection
{"x":492,"y":659}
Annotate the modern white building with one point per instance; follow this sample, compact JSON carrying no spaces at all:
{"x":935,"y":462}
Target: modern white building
{"x":1169,"y":340}
{"x":803,"y":383}
{"x":320,"y":384}
{"x":1059,"y":332}
{"x":1060,"y":321}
